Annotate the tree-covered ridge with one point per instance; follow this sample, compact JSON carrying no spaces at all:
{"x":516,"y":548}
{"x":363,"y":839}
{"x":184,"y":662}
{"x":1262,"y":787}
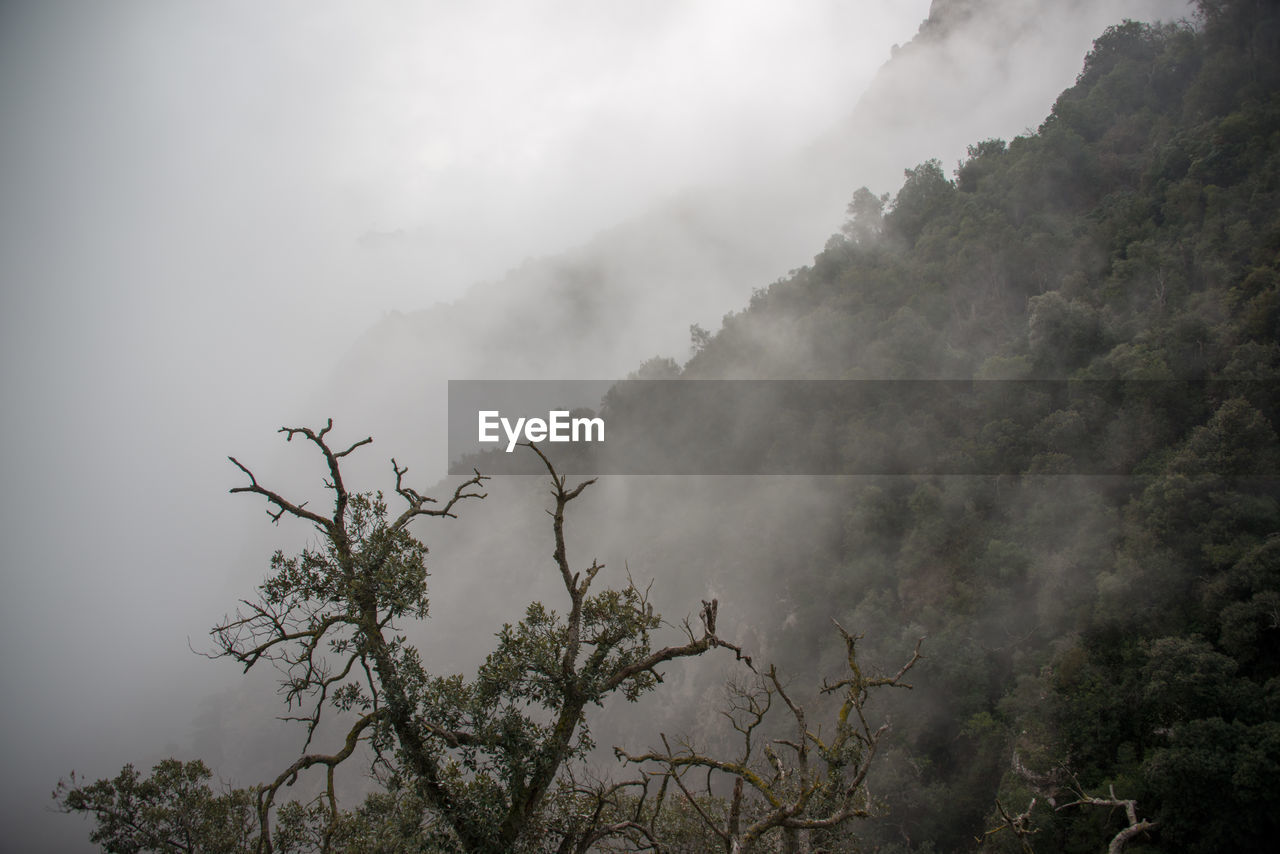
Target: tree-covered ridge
{"x":1144,"y":202}
{"x":1087,"y":633}
{"x":1103,"y":631}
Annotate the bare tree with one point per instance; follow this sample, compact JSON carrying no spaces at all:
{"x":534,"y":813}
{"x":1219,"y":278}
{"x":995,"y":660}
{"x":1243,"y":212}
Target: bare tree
{"x":1050,"y":785}
{"x":1129,"y":805}
{"x":800,"y":782}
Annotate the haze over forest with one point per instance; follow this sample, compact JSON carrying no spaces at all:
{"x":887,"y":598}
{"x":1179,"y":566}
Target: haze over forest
{"x":224,"y":220}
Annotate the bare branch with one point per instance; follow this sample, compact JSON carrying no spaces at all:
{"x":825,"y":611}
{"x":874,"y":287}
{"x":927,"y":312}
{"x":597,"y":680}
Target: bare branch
{"x":266,"y":795}
{"x":284,"y":505}
{"x":418,"y":502}
{"x":792,"y":797}
{"x":1019,"y":825}
{"x":1135,"y":827}
{"x":1049,"y":785}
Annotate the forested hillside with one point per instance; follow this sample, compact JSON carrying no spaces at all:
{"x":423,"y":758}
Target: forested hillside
{"x":595,"y":310}
{"x":1084,"y":632}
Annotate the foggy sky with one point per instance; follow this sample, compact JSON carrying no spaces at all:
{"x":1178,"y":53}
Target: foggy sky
{"x":204,"y":204}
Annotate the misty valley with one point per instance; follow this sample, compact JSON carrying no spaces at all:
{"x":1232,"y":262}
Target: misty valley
{"x":966,"y":534}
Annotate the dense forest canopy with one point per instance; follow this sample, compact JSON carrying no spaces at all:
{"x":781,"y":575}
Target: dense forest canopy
{"x":1106,"y":632}
{"x":1103,"y":664}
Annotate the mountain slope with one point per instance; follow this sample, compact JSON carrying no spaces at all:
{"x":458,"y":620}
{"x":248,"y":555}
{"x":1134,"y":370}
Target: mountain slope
{"x":975,"y":69}
{"x":1084,"y":632}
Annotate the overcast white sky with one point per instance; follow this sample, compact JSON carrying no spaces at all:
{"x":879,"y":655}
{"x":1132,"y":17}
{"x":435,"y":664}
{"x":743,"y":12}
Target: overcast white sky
{"x":494,"y":129}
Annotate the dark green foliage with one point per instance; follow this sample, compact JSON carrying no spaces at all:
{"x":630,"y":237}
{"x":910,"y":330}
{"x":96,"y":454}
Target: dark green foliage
{"x":1127,"y":628}
{"x":467,"y":765}
{"x":866,"y":217}
{"x":923,"y":198}
{"x":174,"y":809}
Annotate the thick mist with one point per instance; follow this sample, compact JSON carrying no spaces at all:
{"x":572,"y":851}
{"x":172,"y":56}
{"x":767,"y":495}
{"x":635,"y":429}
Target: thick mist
{"x":221,"y":219}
